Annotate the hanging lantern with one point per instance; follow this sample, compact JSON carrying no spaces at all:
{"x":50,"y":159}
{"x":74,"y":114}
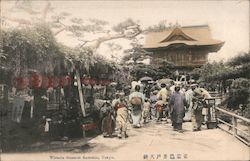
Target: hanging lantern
{"x":61,"y":81}
{"x":97,"y":82}
{"x":36,"y":80}
{"x":45,"y":81}
{"x":50,"y":82}
{"x":22,"y":82}
{"x":106,"y":82}
{"x":65,"y":81}
{"x":92,"y":82}
{"x":56,"y":82}
{"x":86,"y":80}
{"x":102,"y":82}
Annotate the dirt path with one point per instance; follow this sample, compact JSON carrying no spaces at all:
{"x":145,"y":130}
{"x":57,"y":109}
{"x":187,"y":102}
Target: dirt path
{"x":157,"y":142}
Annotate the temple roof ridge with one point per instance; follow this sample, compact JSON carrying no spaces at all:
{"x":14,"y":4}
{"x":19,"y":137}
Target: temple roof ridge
{"x":195,"y":26}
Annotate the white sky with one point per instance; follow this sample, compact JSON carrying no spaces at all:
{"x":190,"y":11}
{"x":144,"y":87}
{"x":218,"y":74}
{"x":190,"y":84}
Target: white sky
{"x":228,"y":20}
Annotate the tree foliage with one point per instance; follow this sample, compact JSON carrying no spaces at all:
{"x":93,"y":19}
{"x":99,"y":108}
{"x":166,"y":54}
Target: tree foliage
{"x":218,"y":71}
{"x":239,"y":96}
{"x":35,"y":48}
{"x":243,"y":58}
{"x":141,"y":70}
{"x":233,"y":75}
{"x":209,"y":72}
{"x":30,"y":48}
{"x":135,"y":54}
{"x":161,"y":26}
{"x":123,"y":26}
{"x":165,"y":70}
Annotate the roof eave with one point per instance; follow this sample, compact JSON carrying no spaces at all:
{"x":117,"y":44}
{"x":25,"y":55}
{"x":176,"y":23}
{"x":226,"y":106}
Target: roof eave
{"x":215,"y":47}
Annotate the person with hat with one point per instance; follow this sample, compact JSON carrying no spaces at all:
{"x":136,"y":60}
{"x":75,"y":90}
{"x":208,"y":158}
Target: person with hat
{"x":177,"y":103}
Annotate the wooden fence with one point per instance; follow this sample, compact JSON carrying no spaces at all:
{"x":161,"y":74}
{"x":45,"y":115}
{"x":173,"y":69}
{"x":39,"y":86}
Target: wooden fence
{"x":240,"y":132}
{"x":236,"y":125}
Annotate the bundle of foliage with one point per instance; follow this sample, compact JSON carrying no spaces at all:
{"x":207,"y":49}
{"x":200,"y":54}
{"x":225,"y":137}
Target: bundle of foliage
{"x":239,"y":93}
{"x":209,"y":72}
{"x":142,"y":70}
{"x":165,"y":70}
{"x":31,"y":48}
{"x":90,"y":64}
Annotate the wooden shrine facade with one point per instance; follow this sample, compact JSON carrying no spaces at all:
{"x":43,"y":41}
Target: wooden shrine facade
{"x":186,"y":47}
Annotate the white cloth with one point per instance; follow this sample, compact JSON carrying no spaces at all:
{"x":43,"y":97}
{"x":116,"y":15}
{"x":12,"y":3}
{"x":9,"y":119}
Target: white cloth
{"x":137,"y":94}
{"x":189,"y":94}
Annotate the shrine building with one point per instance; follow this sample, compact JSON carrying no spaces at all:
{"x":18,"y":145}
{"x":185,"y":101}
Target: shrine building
{"x":187,"y":47}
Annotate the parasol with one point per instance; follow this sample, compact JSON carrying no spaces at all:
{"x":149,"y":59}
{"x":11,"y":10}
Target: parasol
{"x":165,"y":81}
{"x":146,"y":79}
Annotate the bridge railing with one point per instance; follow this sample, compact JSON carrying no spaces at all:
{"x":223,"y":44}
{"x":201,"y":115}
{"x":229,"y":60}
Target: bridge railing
{"x":240,"y":132}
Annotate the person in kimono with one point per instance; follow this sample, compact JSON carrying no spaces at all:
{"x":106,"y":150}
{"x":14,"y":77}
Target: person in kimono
{"x":153,"y":100}
{"x":107,"y":119}
{"x":162,"y":103}
{"x":146,"y":110}
{"x":198,"y":101}
{"x":121,"y":108}
{"x":136,"y":99}
{"x":177,"y":103}
{"x":189,"y":94}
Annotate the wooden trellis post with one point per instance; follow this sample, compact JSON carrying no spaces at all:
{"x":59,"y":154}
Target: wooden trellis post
{"x":79,"y":85}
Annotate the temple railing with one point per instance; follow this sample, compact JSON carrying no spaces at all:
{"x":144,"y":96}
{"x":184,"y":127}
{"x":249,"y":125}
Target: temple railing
{"x":237,"y":125}
{"x":230,"y":122}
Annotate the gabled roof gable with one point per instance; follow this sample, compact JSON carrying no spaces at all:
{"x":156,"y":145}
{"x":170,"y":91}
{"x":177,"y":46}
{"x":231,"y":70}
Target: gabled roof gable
{"x":177,"y":34}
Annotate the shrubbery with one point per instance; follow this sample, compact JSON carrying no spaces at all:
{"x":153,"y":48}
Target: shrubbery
{"x":231,"y":78}
{"x":239,"y":96}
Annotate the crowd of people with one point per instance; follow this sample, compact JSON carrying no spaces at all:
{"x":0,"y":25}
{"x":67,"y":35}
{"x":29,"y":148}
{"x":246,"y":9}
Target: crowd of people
{"x":144,"y":102}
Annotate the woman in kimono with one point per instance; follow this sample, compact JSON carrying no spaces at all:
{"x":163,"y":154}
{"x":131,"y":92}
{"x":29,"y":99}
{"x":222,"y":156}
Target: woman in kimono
{"x":107,"y":113}
{"x":121,"y":108}
{"x":137,"y":100}
{"x":177,"y":103}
